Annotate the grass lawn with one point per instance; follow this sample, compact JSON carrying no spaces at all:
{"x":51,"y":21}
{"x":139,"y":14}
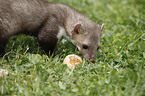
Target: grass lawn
{"x":120,"y":64}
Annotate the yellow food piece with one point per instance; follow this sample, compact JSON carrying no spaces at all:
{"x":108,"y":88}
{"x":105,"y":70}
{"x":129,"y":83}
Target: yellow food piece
{"x":72,"y":60}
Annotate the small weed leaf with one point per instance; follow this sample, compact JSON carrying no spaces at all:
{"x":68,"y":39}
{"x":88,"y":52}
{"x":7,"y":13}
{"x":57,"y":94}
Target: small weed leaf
{"x":35,"y":58}
{"x":75,"y":90}
{"x":62,"y":85}
{"x":3,"y":73}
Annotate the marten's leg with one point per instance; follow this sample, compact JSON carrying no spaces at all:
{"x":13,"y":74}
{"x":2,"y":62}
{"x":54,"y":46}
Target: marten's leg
{"x":4,"y":36}
{"x":3,"y":43}
{"x":47,"y":38}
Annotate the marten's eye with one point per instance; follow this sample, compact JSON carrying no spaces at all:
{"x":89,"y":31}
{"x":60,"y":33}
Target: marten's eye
{"x":85,"y":46}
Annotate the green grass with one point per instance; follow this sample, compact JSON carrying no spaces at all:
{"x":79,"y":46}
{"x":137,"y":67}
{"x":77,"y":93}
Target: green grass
{"x":120,"y":65}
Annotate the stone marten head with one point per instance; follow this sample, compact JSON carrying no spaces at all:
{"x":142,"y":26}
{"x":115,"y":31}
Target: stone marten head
{"x":87,"y":39}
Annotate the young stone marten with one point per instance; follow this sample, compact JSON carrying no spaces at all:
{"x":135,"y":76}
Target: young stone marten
{"x":48,"y":22}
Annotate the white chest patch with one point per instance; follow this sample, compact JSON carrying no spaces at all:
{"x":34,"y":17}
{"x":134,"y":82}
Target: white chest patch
{"x":62,"y":33}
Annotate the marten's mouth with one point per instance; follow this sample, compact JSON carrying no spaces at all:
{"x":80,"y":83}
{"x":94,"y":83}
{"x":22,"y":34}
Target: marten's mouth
{"x":90,"y":59}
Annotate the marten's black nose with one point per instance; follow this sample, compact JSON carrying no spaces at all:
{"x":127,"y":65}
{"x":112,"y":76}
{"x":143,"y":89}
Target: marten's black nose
{"x":92,"y":60}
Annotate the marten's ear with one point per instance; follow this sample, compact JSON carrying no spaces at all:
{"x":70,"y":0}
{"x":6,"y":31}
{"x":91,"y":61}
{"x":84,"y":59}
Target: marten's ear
{"x":102,"y":26}
{"x":77,"y":29}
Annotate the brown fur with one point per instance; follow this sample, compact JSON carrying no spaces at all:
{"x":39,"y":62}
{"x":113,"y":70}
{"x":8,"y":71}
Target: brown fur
{"x":43,"y":20}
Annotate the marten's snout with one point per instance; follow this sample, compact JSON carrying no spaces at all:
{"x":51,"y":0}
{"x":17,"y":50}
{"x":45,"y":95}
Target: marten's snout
{"x":92,"y":59}
{"x":89,"y":58}
{"x":87,"y":55}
